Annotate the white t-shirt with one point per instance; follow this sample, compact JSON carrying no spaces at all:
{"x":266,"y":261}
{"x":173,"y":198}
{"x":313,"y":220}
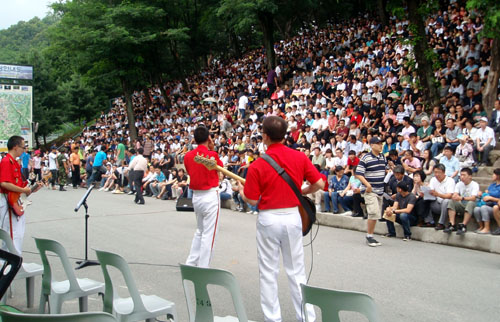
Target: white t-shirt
{"x":52,"y":161}
{"x":484,"y":135}
{"x":446,"y":186}
{"x":242,"y":102}
{"x":472,"y":189}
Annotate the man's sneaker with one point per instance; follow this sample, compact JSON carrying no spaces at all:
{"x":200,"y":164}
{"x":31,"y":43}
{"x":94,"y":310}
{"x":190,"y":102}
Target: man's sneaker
{"x":101,"y":189}
{"x":439,"y":227}
{"x":462,"y":229}
{"x":450,"y":228}
{"x":372,"y":242}
{"x":407,"y":238}
{"x":255,"y":213}
{"x":249,"y":212}
{"x":130,"y":193}
{"x":496,"y":232}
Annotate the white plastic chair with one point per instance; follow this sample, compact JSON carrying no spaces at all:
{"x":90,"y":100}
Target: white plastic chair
{"x":28,"y":271}
{"x":137,"y":307}
{"x":201,"y":278}
{"x":75,"y":317}
{"x":57,"y":292}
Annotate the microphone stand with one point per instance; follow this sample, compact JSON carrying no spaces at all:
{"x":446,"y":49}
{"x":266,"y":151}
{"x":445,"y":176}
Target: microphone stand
{"x":86,"y":262}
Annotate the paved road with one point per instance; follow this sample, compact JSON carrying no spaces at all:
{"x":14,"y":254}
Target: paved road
{"x":410,"y":281}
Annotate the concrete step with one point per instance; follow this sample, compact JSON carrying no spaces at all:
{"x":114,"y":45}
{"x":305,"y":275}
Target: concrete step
{"x":484,"y":172}
{"x":494,"y":156}
{"x":487,"y":243}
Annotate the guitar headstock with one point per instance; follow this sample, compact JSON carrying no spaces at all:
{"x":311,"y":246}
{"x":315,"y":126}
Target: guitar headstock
{"x":209,"y":163}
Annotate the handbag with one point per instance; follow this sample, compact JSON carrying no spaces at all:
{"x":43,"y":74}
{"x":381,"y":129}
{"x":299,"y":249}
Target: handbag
{"x":307,"y":208}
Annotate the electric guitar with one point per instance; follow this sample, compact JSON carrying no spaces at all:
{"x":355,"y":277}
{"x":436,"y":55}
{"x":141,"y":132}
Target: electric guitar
{"x":305,"y":217}
{"x":18,"y":201}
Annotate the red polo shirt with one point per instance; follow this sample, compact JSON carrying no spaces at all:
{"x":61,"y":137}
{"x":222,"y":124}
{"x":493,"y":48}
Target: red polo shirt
{"x":10,"y":171}
{"x":200,"y":177}
{"x":264,"y":182}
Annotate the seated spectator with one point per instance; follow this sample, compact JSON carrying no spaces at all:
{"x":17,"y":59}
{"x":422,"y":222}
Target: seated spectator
{"x":225,"y":187}
{"x":421,"y":205}
{"x":340,"y":160}
{"x":464,"y":152}
{"x":403,"y":209}
{"x":494,"y":122}
{"x":410,"y":163}
{"x":451,"y":163}
{"x":452,"y":133}
{"x":488,"y":206}
{"x":155,"y":184}
{"x":428,"y":163}
{"x":353,"y":189}
{"x":485,"y":142}
{"x":438,"y":137}
{"x":352,"y":162}
{"x":335,"y":194}
{"x":463,"y":201}
{"x":180,"y":185}
{"x":442,"y":188}
{"x":398,"y":175}
{"x":166,"y":186}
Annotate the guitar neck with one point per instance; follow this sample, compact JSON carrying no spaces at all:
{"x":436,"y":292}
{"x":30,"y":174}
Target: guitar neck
{"x":230,"y":174}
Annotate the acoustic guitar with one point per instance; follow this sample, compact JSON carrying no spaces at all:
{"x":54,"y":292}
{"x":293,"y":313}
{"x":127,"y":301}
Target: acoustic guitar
{"x":307,"y":216}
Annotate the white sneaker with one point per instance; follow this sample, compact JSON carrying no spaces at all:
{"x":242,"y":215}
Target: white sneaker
{"x":107,"y":189}
{"x":249,"y":212}
{"x":101,"y":189}
{"x":318,"y":207}
{"x":116,"y":191}
{"x":255,"y":213}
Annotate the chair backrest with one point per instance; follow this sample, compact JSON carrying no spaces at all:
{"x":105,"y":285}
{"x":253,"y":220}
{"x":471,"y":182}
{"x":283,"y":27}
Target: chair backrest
{"x":110,"y":259}
{"x":201,"y":278}
{"x":11,"y":265}
{"x":75,"y":317}
{"x":47,"y":245}
{"x":331,"y":302}
{"x":5,"y":236}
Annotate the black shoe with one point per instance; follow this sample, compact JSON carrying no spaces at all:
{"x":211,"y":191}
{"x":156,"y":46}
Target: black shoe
{"x":62,"y":189}
{"x":462,"y":229}
{"x":382,"y":220}
{"x":389,"y":235}
{"x":439,"y":227}
{"x":372,"y":242}
{"x":450,"y":228}
{"x":140,"y":202}
{"x":496,"y":232}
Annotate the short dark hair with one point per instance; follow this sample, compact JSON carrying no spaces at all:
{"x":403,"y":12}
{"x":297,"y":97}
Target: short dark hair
{"x":448,"y":148}
{"x":14,"y":141}
{"x":140,"y":150}
{"x":422,"y":174}
{"x":467,"y":170}
{"x":275,"y":127}
{"x":403,"y":186}
{"x":201,"y":134}
{"x":441,"y":167}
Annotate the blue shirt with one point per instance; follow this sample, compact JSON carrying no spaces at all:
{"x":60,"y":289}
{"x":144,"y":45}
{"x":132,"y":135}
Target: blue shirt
{"x":99,"y":158}
{"x":25,"y":158}
{"x":338,"y":185}
{"x":160,"y":177}
{"x":451,"y":165}
{"x":494,"y":190}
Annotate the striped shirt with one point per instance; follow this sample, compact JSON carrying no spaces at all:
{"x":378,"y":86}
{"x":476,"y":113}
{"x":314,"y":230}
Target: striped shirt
{"x":372,"y":167}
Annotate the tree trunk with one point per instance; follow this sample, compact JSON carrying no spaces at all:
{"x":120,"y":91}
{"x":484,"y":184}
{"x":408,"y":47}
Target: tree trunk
{"x":44,"y":140}
{"x":424,"y":70}
{"x":490,"y":91}
{"x":266,"y":23}
{"x":382,"y":12}
{"x":147,"y":98}
{"x":130,"y":111}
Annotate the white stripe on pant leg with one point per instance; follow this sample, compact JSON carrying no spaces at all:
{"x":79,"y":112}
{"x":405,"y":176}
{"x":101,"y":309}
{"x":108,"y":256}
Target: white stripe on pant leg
{"x":268,"y":251}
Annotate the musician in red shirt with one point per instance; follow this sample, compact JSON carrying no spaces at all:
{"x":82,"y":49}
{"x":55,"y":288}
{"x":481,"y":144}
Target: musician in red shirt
{"x":206,"y":201}
{"x":11,"y":180}
{"x":279,"y":226}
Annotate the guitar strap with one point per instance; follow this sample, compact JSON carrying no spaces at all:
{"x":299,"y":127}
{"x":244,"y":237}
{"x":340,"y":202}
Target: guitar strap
{"x":288,"y":179}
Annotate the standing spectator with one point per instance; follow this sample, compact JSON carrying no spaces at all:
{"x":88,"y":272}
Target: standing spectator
{"x":371,"y":172}
{"x":485,"y":142}
{"x":62,"y":164}
{"x":74,"y":160}
{"x":25,"y":163}
{"x":120,"y":153}
{"x":37,"y":165}
{"x":463,"y":201}
{"x":139,"y":165}
{"x":53,"y":166}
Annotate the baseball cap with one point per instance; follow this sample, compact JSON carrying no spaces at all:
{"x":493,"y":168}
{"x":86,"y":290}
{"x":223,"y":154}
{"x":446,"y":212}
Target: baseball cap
{"x":375,"y":140}
{"x":484,"y":119}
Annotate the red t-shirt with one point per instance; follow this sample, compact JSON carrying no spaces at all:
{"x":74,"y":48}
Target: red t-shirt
{"x":264,"y":182}
{"x":200,"y":177}
{"x":354,"y":162}
{"x":325,"y":179}
{"x":10,"y":171}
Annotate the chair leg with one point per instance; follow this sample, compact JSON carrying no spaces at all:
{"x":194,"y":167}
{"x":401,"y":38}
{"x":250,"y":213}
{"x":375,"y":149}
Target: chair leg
{"x":43,"y":301}
{"x":30,"y":291}
{"x":84,"y":303}
{"x":55,"y":304}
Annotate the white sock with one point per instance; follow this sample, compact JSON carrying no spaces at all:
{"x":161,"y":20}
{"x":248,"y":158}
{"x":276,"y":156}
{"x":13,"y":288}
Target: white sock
{"x":369,"y":235}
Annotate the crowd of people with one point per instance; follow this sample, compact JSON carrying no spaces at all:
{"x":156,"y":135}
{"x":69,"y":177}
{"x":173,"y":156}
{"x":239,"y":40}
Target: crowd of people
{"x":337,"y":88}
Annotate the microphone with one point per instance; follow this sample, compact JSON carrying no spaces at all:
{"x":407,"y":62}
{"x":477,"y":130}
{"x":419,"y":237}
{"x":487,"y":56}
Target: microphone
{"x":84,"y":198}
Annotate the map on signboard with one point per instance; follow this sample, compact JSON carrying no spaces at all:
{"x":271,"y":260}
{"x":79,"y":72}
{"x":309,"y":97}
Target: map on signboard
{"x":15,"y":112}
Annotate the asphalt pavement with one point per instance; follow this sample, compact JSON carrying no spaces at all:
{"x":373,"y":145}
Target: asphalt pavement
{"x":410,"y":281}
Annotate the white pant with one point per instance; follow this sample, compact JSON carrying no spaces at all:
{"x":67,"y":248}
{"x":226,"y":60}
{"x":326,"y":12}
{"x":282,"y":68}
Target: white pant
{"x":281,"y":230}
{"x":206,"y":204}
{"x":18,"y":224}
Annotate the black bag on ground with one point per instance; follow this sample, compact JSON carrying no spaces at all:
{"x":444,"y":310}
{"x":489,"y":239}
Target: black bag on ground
{"x":184,"y":203}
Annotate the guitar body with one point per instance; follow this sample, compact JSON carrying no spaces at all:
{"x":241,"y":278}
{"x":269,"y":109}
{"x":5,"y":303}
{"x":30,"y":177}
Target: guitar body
{"x":14,"y":200}
{"x":308,"y":216}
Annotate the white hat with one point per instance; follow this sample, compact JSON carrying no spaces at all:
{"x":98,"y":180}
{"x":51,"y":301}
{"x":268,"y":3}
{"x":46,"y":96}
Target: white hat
{"x":484,"y":119}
